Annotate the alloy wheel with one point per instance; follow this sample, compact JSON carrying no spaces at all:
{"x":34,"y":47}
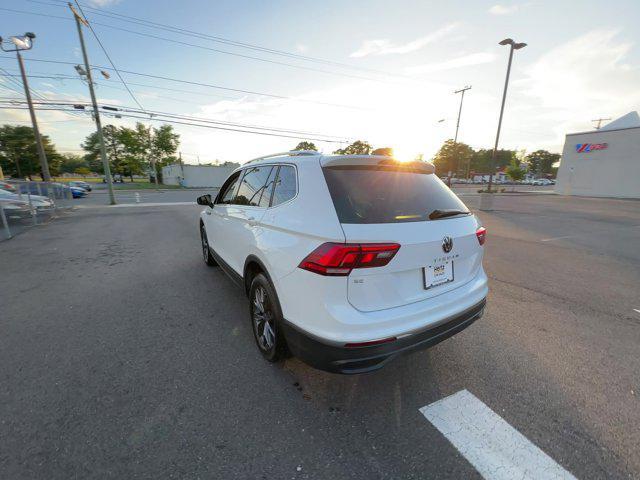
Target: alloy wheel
{"x":263,"y":319}
{"x":205,"y":244}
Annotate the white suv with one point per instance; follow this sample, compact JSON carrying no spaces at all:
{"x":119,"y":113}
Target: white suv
{"x":349,"y":260}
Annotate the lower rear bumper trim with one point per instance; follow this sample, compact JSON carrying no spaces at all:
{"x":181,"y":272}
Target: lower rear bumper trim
{"x":344,"y":360}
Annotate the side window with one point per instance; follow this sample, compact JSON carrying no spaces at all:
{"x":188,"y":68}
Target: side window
{"x":285,"y":188}
{"x":228,"y":191}
{"x":252,"y":186}
{"x":268,"y":188}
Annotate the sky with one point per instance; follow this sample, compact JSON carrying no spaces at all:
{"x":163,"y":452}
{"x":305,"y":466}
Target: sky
{"x":387,"y":74}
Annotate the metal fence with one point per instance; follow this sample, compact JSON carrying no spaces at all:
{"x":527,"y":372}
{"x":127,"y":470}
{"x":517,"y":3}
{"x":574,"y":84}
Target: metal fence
{"x":26,"y":204}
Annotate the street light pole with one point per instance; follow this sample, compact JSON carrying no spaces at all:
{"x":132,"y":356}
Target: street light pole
{"x":26,"y":43}
{"x":455,"y":140}
{"x":513,"y":46}
{"x":96,"y":112}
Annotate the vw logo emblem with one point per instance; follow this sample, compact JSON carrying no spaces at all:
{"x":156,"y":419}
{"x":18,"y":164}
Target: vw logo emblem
{"x":447,"y":244}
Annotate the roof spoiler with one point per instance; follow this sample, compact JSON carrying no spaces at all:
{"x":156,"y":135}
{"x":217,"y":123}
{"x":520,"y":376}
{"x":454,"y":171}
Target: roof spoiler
{"x":377,"y":161}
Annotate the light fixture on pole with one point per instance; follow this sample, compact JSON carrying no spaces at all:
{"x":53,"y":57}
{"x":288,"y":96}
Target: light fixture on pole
{"x":83,"y":73}
{"x":512,"y":46}
{"x":25,"y":42}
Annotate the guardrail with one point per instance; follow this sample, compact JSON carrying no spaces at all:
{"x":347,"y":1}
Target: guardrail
{"x":25,"y":204}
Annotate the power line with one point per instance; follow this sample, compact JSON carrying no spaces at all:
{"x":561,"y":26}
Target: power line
{"x":225,"y":52}
{"x":208,"y":85}
{"x":108,"y":56}
{"x":218,"y":39}
{"x":125,"y":109}
{"x":194,"y":125}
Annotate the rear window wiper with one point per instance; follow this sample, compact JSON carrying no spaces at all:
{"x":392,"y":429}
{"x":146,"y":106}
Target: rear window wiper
{"x":436,"y":214}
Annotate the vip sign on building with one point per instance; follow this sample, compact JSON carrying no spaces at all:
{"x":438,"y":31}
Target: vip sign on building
{"x":604,"y":162}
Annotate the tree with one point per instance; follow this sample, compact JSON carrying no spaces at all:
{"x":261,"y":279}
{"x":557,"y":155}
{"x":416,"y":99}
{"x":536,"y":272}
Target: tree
{"x":164,"y":147}
{"x":385,"y":151}
{"x":514,"y":171}
{"x":453,"y":156}
{"x":358,"y":147}
{"x":306,"y":146}
{"x":541,"y":162}
{"x":84,"y":171}
{"x":113,"y":146}
{"x":19,"y":154}
{"x":70,"y":162}
{"x":481,"y":161}
{"x":130,"y":149}
{"x":136,"y":149}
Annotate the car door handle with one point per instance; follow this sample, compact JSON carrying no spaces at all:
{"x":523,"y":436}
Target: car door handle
{"x":252,"y":221}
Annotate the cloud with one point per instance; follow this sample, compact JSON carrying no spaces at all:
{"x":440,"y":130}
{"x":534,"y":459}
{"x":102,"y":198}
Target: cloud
{"x":387,"y":47}
{"x":589,"y":72}
{"x":586,"y":77}
{"x":503,"y":10}
{"x":459,"y":62}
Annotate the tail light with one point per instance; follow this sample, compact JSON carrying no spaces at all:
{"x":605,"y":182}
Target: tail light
{"x":481,"y":233}
{"x":338,"y":259}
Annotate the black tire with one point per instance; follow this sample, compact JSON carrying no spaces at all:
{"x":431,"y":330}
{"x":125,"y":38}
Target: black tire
{"x":266,"y":324}
{"x":206,"y":251}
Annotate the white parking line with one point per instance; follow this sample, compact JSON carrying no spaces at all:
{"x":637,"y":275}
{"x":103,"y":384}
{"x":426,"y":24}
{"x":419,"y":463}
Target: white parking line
{"x":496,"y":449}
{"x":557,"y":238}
{"x":636,"y":310}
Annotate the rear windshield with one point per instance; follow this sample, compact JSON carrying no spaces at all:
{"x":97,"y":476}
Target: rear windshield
{"x":363,"y":194}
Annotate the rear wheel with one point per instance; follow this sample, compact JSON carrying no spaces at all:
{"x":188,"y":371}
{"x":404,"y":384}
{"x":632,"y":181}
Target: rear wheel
{"x":266,"y":319}
{"x":206,"y":252}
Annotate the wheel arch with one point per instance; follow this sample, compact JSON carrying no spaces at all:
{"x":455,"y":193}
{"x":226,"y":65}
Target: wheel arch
{"x":252,"y":266}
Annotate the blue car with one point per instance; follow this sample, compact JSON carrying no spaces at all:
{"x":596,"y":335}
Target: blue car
{"x":78,"y":192}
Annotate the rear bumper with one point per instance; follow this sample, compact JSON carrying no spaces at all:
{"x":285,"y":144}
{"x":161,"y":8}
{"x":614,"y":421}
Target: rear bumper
{"x":337,"y":359}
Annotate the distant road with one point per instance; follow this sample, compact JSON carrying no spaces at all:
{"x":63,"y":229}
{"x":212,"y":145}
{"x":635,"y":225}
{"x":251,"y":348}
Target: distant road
{"x":100,"y":197}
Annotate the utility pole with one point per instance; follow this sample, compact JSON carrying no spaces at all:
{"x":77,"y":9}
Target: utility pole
{"x":152,"y":159}
{"x":26,"y":43}
{"x":96,"y":113}
{"x":513,"y":46}
{"x":455,"y":140}
{"x":599,"y":120}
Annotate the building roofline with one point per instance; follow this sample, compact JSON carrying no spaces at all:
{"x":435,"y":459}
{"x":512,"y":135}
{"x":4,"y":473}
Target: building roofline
{"x":603,"y":131}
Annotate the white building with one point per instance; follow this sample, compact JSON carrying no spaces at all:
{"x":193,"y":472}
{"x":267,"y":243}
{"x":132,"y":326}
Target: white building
{"x":196,"y":175}
{"x":602,"y":163}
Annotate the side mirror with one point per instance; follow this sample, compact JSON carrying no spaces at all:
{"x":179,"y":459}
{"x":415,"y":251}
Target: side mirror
{"x":204,"y":200}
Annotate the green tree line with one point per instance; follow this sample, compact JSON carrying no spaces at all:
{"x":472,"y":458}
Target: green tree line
{"x":461,"y":159}
{"x":129,"y":151}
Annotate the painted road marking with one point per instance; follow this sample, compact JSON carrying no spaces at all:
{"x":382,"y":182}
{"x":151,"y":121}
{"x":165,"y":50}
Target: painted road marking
{"x":557,"y":238}
{"x":636,"y":310}
{"x":496,"y":449}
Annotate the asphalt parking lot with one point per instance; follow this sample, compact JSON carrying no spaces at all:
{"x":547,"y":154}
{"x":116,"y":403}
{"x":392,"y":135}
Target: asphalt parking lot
{"x":123,"y":356}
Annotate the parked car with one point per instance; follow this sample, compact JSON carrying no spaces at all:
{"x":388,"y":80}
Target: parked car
{"x":8,"y":187}
{"x":15,"y":209}
{"x":37,"y":201}
{"x":348,"y":261}
{"x":117,"y":178}
{"x":542,"y":181}
{"x":80,"y":184}
{"x":78,"y":192}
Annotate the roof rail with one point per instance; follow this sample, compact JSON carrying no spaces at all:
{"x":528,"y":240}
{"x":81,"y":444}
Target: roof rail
{"x":291,"y":153}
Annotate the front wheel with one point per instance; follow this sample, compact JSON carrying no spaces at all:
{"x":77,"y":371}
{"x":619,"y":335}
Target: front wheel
{"x":266,"y":319}
{"x":206,"y":252}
